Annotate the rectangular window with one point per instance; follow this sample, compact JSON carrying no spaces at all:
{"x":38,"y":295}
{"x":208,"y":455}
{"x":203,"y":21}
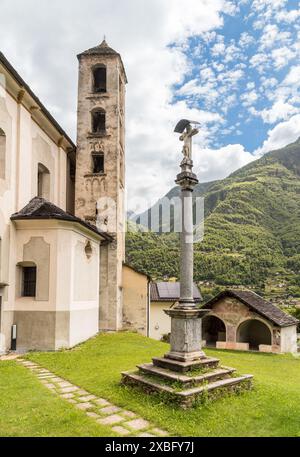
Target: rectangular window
{"x":98,"y":163}
{"x":99,"y":122}
{"x":29,"y":282}
{"x":100,"y":79}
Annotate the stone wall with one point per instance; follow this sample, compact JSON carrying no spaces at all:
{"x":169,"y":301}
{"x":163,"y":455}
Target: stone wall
{"x":99,"y":197}
{"x":234,"y":314}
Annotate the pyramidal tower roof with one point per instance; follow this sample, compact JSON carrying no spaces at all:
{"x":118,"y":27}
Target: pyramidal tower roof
{"x":101,"y":49}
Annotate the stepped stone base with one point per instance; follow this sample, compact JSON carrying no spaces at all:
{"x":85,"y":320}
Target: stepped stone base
{"x":187,"y":383}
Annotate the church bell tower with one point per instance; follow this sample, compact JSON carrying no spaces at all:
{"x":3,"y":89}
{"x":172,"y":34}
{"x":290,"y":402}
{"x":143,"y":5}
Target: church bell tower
{"x":100,"y":167}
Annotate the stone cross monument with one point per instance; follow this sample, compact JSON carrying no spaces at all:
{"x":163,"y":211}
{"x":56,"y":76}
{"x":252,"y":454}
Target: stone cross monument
{"x":185,"y":316}
{"x":167,"y":375}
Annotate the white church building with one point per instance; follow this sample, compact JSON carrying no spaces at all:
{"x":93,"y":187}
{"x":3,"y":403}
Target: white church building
{"x":60,"y":268}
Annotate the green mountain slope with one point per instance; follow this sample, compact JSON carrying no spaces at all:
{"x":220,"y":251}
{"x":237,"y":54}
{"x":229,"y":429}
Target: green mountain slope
{"x":252,"y":228}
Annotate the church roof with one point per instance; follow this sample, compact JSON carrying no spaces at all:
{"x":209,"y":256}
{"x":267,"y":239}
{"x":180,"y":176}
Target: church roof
{"x":258,"y":304}
{"x":39,"y":208}
{"x":170,"y":292}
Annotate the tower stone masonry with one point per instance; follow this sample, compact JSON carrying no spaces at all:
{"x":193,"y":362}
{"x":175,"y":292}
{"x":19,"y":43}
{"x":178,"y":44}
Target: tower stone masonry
{"x":100,"y":169}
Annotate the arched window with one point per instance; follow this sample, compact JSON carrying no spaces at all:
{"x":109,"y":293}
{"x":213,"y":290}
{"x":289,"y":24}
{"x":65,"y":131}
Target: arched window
{"x":99,"y":78}
{"x":2,"y":153}
{"x":43,"y":182}
{"x":99,"y":121}
{"x":98,"y":162}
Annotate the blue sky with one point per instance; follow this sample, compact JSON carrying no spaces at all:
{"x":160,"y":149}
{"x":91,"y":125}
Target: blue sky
{"x":238,"y":68}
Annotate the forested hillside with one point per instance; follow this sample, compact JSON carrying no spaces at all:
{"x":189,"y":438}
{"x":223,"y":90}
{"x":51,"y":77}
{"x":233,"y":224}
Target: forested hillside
{"x":252,"y":229}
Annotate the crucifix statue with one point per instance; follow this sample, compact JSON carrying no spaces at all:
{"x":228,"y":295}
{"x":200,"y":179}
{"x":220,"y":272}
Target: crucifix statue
{"x":186,"y":137}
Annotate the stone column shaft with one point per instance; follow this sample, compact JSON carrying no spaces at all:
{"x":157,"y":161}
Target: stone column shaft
{"x":186,"y":336}
{"x":186,"y":248}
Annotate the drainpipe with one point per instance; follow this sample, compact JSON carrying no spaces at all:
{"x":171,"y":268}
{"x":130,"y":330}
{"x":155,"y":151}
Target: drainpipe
{"x":148,"y":308}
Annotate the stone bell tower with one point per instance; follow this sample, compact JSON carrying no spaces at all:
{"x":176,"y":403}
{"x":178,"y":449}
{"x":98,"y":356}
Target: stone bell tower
{"x":100,"y":169}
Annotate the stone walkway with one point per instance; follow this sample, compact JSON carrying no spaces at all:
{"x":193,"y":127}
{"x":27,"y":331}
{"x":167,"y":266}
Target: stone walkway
{"x":121,"y":421}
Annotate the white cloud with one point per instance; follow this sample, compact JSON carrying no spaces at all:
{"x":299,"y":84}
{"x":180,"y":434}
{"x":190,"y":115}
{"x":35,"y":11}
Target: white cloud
{"x":249,"y":98}
{"x":257,"y":60}
{"x":212,"y":164}
{"x":141,"y":31}
{"x":288,"y":16}
{"x":279,"y":111}
{"x":293,"y":76}
{"x":271,"y":34}
{"x":246,"y":39}
{"x":217,"y":49}
{"x":281,"y":135}
{"x":282,"y":56}
{"x":250,"y":85}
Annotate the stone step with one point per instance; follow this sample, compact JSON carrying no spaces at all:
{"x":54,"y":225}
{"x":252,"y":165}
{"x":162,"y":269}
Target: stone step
{"x":182,"y":367}
{"x":214,"y":374}
{"x":221,"y":383}
{"x":186,"y":398}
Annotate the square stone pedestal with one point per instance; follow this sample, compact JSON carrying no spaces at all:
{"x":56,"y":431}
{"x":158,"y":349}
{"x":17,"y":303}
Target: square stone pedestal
{"x":186,"y":332}
{"x":185,"y":375}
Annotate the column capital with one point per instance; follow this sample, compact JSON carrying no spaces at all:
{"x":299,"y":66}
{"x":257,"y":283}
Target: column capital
{"x":187,"y":180}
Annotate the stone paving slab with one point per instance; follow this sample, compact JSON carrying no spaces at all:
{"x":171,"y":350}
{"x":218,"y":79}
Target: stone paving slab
{"x":121,"y":430}
{"x":128,"y":413}
{"x":138,"y":424}
{"x":84,"y":405}
{"x":110,"y":420}
{"x":67,"y":395}
{"x":82,"y":392}
{"x":64,"y":384}
{"x":110,"y":410}
{"x":87,"y":398}
{"x":50,"y":386}
{"x":102,"y":402}
{"x":115,"y":416}
{"x":44,"y":376}
{"x":67,"y":390}
{"x":93,"y":415}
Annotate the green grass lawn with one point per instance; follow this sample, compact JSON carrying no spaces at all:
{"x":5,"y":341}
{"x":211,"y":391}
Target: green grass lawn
{"x":27,"y":408}
{"x":272,"y":408}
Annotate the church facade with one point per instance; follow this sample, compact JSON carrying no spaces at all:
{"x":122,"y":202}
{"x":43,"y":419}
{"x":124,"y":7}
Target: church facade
{"x":62,"y":219}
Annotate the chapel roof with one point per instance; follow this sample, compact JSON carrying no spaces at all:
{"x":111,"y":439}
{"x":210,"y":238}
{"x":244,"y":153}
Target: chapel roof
{"x":258,"y":304}
{"x":40,"y":208}
{"x":170,"y":292}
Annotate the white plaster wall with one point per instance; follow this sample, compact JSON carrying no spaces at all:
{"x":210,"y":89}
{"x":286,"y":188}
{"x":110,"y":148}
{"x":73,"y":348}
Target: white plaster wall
{"x":289,"y":339}
{"x":18,"y":188}
{"x":160,"y":319}
{"x":77,"y":291}
{"x":73,"y":278}
{"x":23,"y":236}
